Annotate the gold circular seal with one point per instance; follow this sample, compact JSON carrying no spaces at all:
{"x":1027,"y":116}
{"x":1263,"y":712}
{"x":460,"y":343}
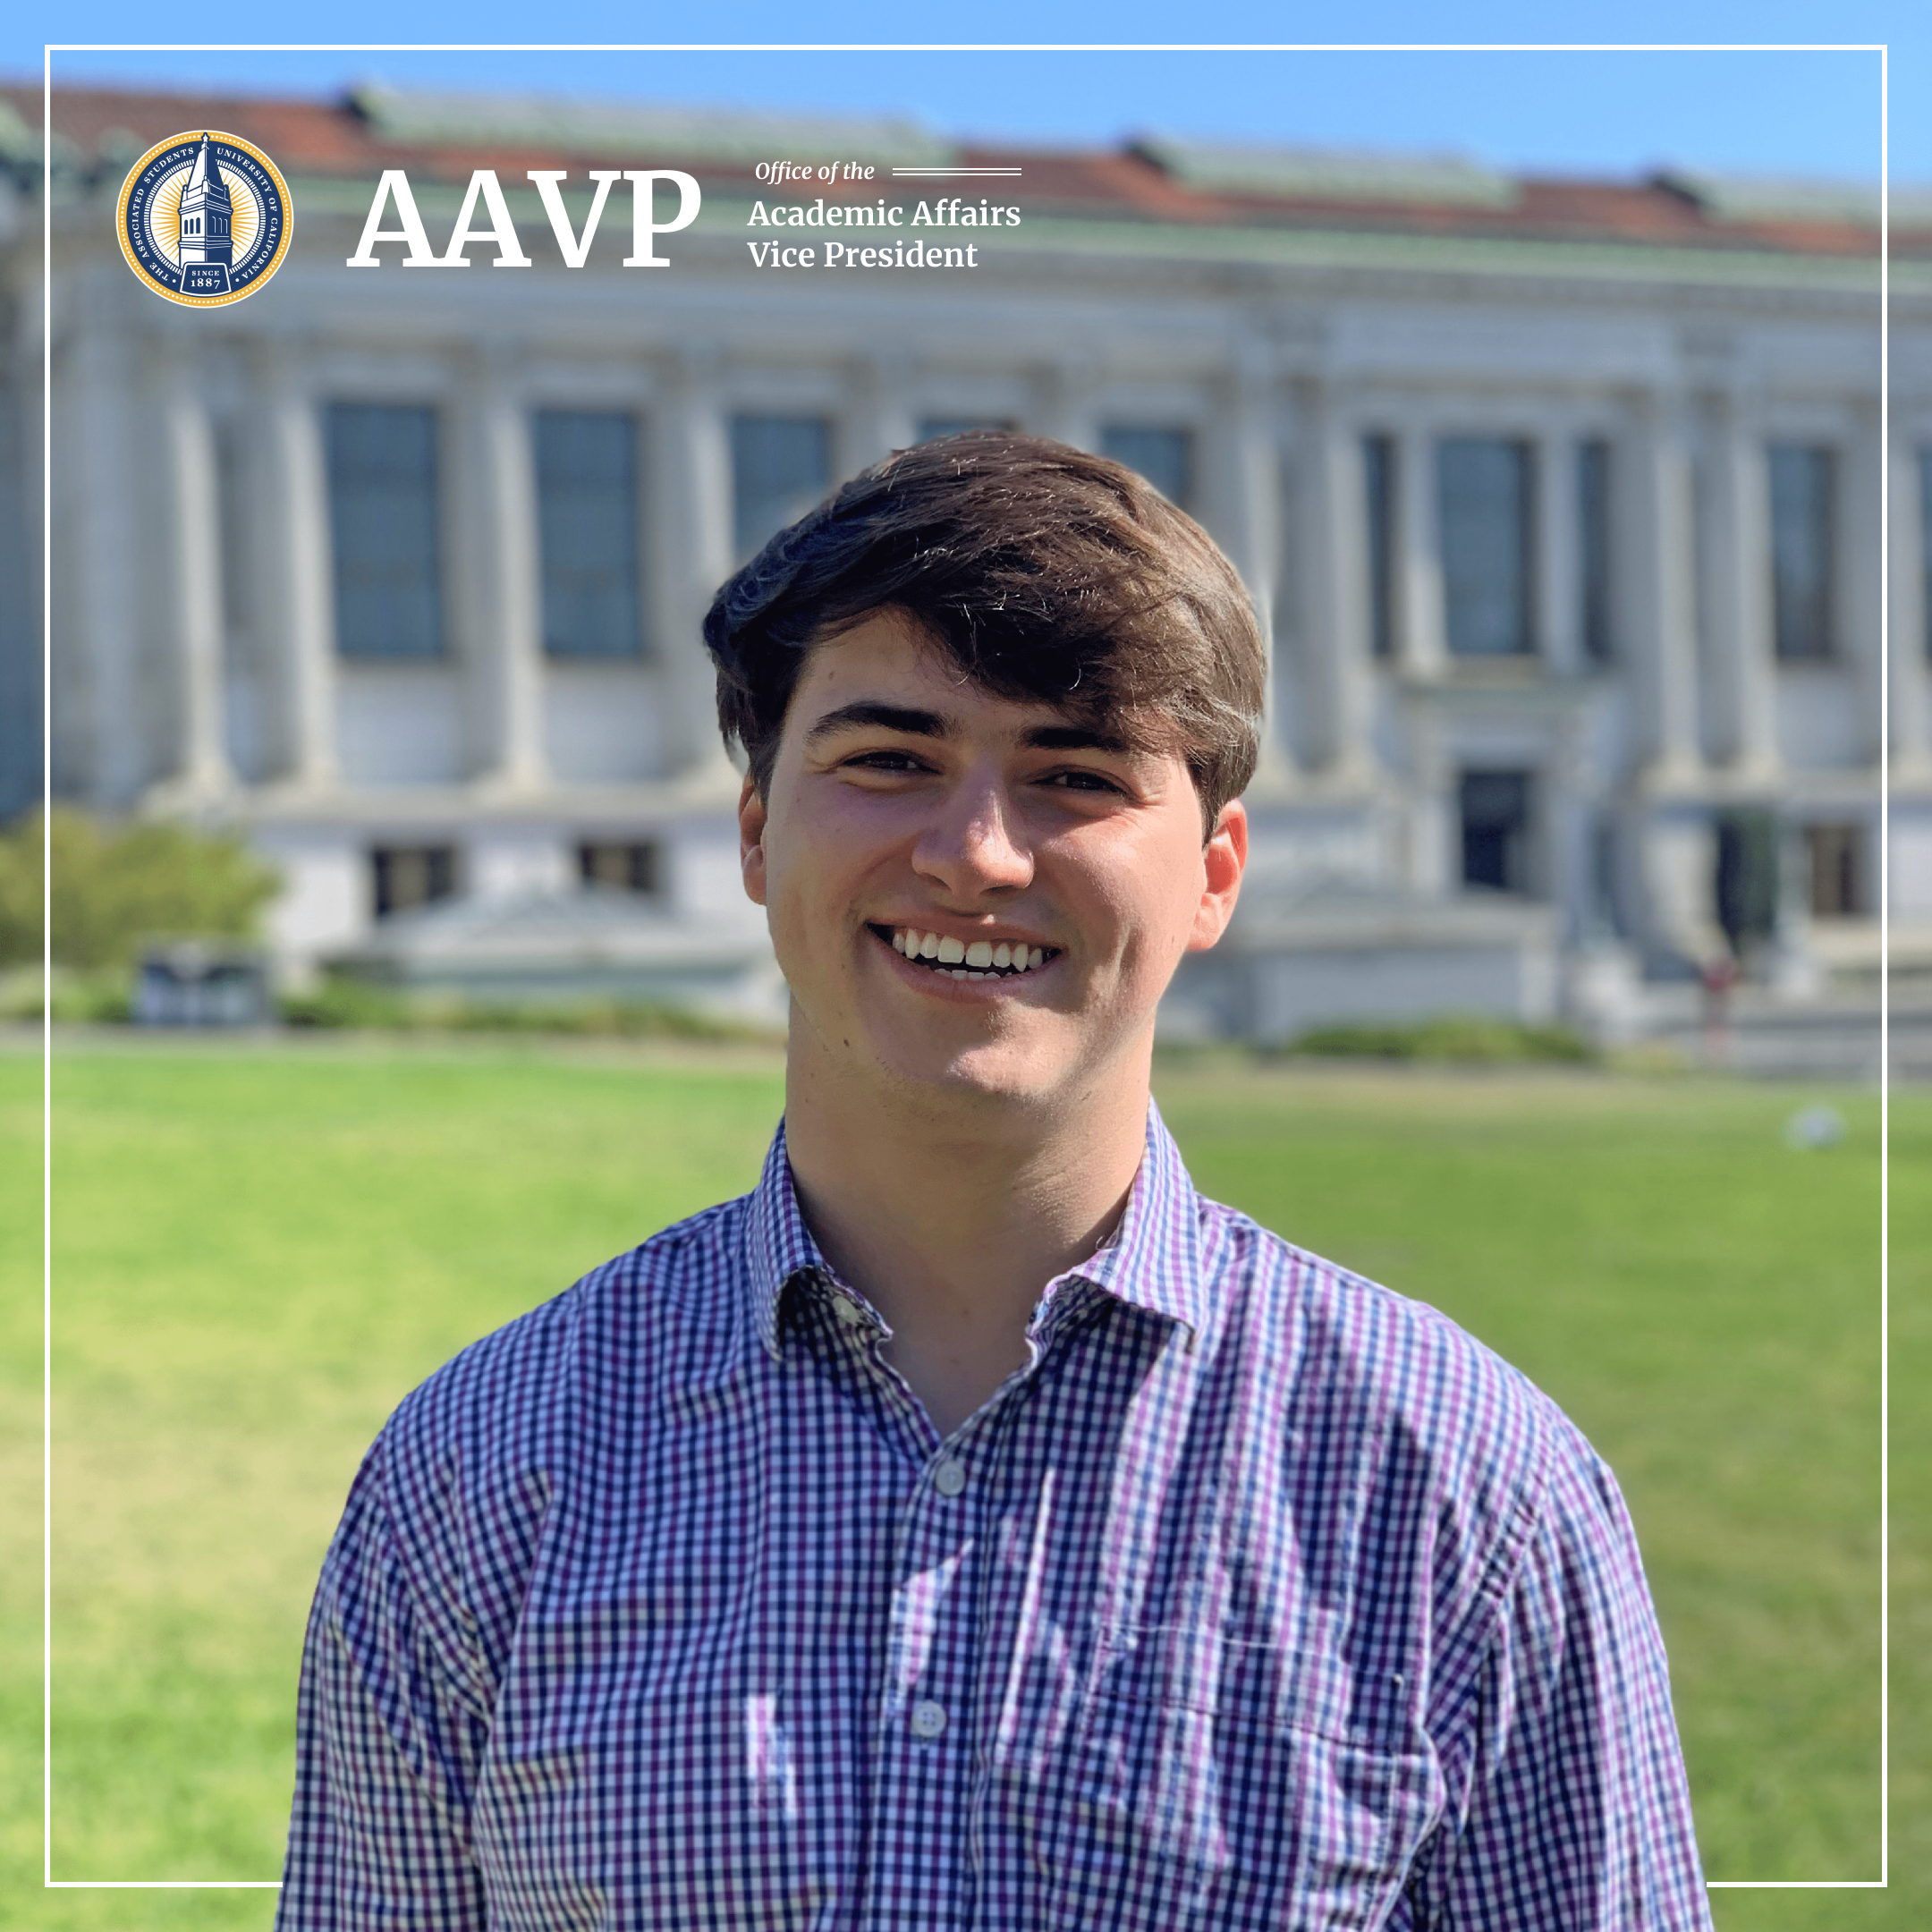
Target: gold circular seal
{"x":204,"y":218}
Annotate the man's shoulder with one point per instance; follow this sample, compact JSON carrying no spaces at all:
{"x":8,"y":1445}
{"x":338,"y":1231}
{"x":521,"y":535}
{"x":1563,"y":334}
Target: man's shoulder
{"x":1356,"y":1363}
{"x":589,"y":1348}
{"x":456,"y":1490}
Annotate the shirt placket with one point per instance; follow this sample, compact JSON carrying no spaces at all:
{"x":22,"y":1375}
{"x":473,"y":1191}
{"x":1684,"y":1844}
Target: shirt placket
{"x":923,"y":1752}
{"x":927,"y":1757}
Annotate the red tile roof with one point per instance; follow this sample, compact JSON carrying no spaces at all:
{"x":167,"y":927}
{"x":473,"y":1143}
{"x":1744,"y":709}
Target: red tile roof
{"x":104,"y":130}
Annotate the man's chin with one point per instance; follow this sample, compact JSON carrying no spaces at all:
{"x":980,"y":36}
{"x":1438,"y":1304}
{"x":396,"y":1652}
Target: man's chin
{"x":1009,"y":1070}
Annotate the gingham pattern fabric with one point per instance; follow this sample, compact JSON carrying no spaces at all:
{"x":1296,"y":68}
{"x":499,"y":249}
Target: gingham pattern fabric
{"x":1259,"y":1597}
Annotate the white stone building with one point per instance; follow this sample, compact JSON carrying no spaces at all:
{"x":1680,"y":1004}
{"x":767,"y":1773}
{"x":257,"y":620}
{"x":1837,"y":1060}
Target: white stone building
{"x":1561,"y":501}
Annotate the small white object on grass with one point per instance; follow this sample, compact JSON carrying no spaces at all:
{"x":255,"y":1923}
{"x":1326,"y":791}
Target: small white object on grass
{"x":1814,"y":1127}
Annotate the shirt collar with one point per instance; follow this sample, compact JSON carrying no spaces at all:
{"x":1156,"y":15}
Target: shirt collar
{"x":778,"y":1245}
{"x":1152,"y":1262}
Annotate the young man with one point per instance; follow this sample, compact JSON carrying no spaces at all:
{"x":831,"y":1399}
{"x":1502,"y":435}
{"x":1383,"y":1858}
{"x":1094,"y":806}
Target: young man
{"x":972,"y":1526}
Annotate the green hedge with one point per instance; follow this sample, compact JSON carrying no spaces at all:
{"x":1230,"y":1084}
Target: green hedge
{"x":117,"y":885}
{"x":1462,"y":1037}
{"x":341,"y":1001}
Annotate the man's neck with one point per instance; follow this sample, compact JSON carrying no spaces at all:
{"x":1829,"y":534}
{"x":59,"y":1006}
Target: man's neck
{"x":951,"y":1215}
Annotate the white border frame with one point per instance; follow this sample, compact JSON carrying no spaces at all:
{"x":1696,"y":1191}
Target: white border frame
{"x":971,"y":46}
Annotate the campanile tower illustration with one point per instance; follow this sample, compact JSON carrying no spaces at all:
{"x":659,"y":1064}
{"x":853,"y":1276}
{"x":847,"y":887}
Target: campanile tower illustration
{"x":206,"y":213}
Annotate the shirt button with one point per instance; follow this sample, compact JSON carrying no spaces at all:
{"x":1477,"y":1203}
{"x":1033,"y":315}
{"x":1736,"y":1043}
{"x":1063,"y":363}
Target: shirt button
{"x":849,"y":1312}
{"x":950,"y":1478}
{"x":929,"y":1719}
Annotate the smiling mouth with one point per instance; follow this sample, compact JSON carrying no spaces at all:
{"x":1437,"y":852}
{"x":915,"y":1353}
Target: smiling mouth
{"x":959,"y":959}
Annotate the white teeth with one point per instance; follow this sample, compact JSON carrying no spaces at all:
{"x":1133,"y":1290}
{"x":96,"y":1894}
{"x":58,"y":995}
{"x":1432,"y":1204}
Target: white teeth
{"x":978,"y":958}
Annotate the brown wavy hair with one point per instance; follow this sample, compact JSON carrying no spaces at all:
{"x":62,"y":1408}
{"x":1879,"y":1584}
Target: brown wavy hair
{"x":1043,"y":573}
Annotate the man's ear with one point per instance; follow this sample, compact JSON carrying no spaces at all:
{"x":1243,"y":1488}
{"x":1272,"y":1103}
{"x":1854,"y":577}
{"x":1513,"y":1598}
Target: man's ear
{"x":751,"y":817}
{"x":1225,"y":858}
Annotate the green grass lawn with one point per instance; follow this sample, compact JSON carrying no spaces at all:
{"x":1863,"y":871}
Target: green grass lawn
{"x":259,"y":1252}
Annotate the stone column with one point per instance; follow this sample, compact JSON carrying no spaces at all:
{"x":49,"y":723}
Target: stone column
{"x":1651,"y":536}
{"x":1566,"y":865}
{"x":1241,"y":507}
{"x":297,"y":569}
{"x":1332,"y":544}
{"x":878,"y":417}
{"x":1065,"y":407}
{"x":1910,"y":698}
{"x":1858,"y":520}
{"x":199,"y":769}
{"x":498,"y":571}
{"x":1678,"y":872}
{"x":1421,"y":646}
{"x":1555,"y":572}
{"x":1431,"y":863}
{"x":97,"y":646}
{"x":692,"y":554}
{"x":1744,"y":676}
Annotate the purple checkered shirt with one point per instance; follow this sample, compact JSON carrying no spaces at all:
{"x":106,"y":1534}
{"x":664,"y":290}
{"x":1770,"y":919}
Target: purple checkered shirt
{"x":1260,"y":1597}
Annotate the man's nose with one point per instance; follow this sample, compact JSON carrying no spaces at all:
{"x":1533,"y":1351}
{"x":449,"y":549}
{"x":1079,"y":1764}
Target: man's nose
{"x":975,"y":843}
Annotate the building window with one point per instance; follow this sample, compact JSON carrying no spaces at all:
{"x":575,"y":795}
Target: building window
{"x":22,"y":767}
{"x":382,"y":476}
{"x":1164,"y":457}
{"x":1801,"y":519}
{"x":1495,"y":808}
{"x":780,"y":466}
{"x":1593,"y":548}
{"x":587,"y":520}
{"x":933,"y":427}
{"x":1379,"y":473}
{"x":630,"y":867}
{"x":1605,"y":901}
{"x":1925,"y":541}
{"x":1836,"y":854}
{"x":1483,"y":494}
{"x":409,"y":876}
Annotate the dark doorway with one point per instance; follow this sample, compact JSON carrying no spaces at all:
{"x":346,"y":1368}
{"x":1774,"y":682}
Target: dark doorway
{"x":1494,"y":807}
{"x":1836,"y":855}
{"x":410,"y":875}
{"x":1747,"y":877}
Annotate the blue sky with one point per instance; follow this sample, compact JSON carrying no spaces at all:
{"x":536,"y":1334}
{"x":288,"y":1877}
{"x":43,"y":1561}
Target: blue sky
{"x":1809,"y":112}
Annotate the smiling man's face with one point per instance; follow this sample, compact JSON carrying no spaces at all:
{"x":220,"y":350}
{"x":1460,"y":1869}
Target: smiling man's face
{"x":968,"y":893}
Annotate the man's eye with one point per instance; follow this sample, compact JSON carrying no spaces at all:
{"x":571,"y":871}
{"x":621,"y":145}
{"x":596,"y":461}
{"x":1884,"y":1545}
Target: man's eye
{"x":884,"y":761}
{"x":1080,"y":781}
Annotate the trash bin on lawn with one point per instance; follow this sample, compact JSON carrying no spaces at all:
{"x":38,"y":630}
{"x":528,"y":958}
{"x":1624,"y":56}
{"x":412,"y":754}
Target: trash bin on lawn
{"x":197,"y":982}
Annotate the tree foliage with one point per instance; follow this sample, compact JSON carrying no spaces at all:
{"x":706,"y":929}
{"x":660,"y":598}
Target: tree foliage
{"x":117,"y":885}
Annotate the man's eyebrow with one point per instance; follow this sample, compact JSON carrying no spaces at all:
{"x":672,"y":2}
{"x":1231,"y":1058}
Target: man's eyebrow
{"x":1073,"y":738}
{"x":868,"y":713}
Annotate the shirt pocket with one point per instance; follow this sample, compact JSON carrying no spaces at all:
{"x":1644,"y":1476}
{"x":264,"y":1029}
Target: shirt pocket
{"x":1212,"y":1782}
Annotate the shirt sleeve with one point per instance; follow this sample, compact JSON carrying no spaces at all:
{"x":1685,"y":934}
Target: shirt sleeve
{"x":1574,"y":1810}
{"x":389,"y":1735}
